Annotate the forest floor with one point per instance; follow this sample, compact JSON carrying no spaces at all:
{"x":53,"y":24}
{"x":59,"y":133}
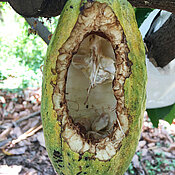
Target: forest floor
{"x":22,"y":147}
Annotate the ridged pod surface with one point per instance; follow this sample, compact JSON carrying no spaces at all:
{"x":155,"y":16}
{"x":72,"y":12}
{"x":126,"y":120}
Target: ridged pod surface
{"x":93,"y":92}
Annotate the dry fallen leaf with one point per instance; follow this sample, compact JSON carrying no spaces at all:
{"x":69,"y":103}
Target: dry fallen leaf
{"x":5,"y":133}
{"x":135,"y":161}
{"x":150,"y":145}
{"x":10,"y":170}
{"x":16,"y":151}
{"x":24,"y":113}
{"x":144,"y":152}
{"x":142,"y":143}
{"x":171,"y":148}
{"x":40,"y":138}
{"x":19,"y":107}
{"x":148,"y":139}
{"x":10,"y":107}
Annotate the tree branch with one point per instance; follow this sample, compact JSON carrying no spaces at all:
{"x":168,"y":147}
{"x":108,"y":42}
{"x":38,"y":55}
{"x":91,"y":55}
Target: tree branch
{"x":50,"y":8}
{"x":161,"y":43}
{"x":42,"y":30}
{"x":168,"y":5}
{"x":38,"y":8}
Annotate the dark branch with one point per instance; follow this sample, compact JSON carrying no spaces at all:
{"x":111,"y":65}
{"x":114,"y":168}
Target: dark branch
{"x":36,"y":8}
{"x":41,"y":30}
{"x":168,"y":5}
{"x":161,"y":43}
{"x":50,"y":8}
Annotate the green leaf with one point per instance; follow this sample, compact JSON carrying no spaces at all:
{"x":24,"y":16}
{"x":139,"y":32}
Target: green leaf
{"x":142,"y":14}
{"x":165,"y":113}
{"x":2,"y":77}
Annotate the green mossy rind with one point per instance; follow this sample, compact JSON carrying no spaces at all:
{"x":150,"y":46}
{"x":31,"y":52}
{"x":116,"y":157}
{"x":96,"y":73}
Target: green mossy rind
{"x":63,"y":159}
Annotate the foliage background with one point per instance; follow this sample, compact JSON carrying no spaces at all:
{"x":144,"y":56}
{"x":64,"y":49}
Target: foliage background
{"x":21,"y":54}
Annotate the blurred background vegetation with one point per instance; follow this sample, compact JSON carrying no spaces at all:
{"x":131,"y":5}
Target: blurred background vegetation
{"x":21,"y":53}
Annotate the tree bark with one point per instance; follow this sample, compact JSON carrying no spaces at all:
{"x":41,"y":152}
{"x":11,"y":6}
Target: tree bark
{"x":41,"y":30}
{"x":50,"y":8}
{"x":38,"y":8}
{"x":168,"y":5}
{"x":161,"y":43}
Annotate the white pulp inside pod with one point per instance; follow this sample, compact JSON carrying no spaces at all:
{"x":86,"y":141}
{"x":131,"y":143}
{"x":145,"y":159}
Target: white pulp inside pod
{"x":90,"y":97}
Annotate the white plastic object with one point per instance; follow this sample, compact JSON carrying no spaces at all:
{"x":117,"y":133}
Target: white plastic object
{"x":161,"y":81}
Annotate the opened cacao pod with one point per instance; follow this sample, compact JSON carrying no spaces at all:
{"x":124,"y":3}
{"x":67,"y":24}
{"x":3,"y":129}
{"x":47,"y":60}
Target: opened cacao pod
{"x":93,"y":93}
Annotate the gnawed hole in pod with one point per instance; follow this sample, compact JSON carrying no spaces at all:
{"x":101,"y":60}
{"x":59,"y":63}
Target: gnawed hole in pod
{"x":89,"y":94}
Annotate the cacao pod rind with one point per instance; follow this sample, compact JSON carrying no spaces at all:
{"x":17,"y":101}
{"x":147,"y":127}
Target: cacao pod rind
{"x":64,"y":160}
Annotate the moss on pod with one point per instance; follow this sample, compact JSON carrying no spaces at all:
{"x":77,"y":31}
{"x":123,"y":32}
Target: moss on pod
{"x":105,"y":21}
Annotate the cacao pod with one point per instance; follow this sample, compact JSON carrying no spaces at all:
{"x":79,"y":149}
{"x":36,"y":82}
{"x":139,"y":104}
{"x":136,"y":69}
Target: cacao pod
{"x":93,"y":92}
